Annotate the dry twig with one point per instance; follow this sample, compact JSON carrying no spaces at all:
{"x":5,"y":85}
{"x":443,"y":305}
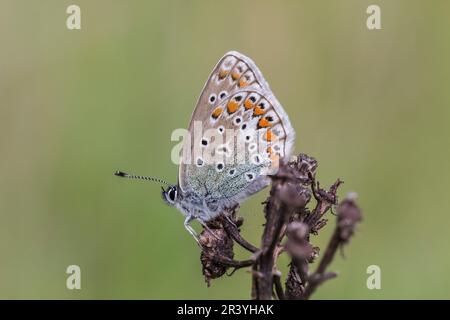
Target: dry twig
{"x":288,"y":228}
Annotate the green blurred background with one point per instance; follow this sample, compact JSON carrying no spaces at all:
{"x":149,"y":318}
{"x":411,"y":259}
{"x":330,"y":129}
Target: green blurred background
{"x":371,"y":106}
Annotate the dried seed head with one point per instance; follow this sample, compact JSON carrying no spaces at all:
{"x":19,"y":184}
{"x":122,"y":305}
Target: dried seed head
{"x":214,"y":242}
{"x":349,"y":214}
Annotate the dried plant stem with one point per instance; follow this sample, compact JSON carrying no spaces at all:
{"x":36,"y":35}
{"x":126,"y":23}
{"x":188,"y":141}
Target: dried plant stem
{"x":288,"y":229}
{"x":233,"y":232}
{"x":319,"y":276}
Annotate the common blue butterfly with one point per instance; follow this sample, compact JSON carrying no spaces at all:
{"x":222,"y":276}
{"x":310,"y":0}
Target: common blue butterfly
{"x":244,"y":133}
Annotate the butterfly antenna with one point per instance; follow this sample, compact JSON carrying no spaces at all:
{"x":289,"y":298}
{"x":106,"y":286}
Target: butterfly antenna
{"x":132,"y":176}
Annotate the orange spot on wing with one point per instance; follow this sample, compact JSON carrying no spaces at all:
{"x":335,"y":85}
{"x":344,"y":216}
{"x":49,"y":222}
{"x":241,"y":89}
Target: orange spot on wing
{"x":269,"y":135}
{"x":258,"y":111}
{"x":222,"y":74}
{"x":263,"y":123}
{"x":242,"y":83}
{"x":235,"y":75}
{"x":269,"y":150}
{"x":217,"y":112}
{"x":248,"y":104}
{"x":232,"y":107}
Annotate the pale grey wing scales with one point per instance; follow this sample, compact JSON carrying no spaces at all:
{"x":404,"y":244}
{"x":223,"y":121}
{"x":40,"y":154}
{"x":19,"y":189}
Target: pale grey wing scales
{"x":245,"y":181}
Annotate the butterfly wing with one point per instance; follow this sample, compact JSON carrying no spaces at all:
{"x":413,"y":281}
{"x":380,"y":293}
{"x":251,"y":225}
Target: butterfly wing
{"x":237,"y":131}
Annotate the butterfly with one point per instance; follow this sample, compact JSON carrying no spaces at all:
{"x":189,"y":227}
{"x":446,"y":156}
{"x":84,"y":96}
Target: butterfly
{"x":238,"y":135}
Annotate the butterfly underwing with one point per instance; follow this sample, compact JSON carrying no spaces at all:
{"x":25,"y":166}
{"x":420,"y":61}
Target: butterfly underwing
{"x":238,"y":135}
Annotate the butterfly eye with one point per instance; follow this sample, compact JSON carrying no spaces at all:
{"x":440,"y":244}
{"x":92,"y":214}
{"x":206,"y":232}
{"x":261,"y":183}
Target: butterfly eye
{"x":172,"y":194}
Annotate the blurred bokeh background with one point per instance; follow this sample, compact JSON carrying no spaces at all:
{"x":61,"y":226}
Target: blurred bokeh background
{"x":371,"y":106}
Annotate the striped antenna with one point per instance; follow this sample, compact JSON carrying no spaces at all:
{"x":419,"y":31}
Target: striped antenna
{"x":132,"y":176}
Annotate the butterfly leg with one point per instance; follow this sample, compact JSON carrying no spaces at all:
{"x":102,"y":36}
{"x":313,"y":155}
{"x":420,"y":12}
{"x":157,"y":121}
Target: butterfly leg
{"x":191,"y":230}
